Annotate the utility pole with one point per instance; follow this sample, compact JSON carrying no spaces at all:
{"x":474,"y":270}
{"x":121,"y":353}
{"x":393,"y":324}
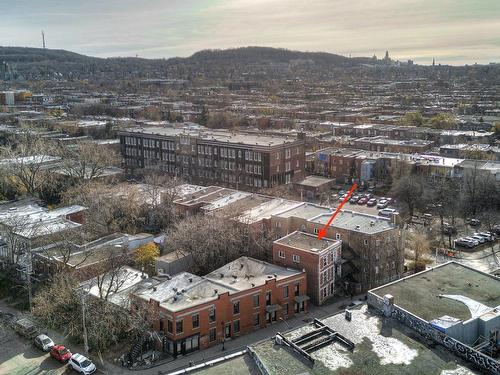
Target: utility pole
{"x":85,"y":338}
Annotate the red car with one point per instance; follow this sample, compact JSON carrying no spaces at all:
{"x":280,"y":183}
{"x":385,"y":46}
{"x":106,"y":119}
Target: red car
{"x":363,"y":200}
{"x":61,"y":353}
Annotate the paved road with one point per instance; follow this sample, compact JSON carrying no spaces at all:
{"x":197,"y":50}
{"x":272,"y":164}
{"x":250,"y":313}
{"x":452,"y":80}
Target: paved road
{"x":20,"y":357}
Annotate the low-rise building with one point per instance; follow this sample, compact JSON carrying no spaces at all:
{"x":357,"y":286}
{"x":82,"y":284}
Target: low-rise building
{"x":320,"y":258}
{"x":242,"y":296}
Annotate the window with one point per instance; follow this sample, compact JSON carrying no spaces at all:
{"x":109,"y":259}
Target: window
{"x":212,"y":334}
{"x":285,"y":291}
{"x":296,"y":258}
{"x":337,"y":236}
{"x":211,"y":315}
{"x":256,"y":301}
{"x":178,"y":327}
{"x":316,"y":230}
{"x":365,"y":242}
{"x":268,"y":298}
{"x":236,"y":327}
{"x":170,"y":326}
{"x":256,"y":320}
{"x":325,"y":261}
{"x":281,"y":254}
{"x":196,"y":320}
{"x":297,"y":289}
{"x":236,"y":307}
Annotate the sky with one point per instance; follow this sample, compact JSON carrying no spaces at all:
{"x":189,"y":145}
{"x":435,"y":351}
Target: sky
{"x":451,"y":31}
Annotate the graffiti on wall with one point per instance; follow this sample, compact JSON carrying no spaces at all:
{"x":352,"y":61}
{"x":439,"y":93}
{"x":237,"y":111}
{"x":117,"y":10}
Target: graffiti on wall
{"x":427,"y":331}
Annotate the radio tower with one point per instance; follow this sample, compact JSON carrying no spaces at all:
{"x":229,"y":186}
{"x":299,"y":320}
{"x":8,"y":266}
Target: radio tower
{"x":43,"y":39}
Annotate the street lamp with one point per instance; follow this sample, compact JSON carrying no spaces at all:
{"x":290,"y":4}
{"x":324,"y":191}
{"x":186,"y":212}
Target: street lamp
{"x":223,"y":335}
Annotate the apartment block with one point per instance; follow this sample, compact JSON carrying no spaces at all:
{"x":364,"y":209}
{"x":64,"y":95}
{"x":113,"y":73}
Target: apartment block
{"x":236,"y":160}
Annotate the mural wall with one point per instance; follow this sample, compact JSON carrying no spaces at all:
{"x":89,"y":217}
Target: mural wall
{"x":429,"y":332}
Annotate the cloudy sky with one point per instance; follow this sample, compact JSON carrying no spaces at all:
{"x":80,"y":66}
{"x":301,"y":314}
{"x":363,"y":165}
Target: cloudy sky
{"x":451,"y":31}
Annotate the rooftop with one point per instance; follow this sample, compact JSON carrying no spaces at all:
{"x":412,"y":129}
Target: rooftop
{"x":305,"y":211}
{"x":419,"y":293}
{"x":247,"y":273}
{"x":315,"y":181}
{"x":382,"y":347}
{"x":267,"y":209}
{"x":28,"y":219}
{"x":307,"y":242}
{"x":356,"y":221}
{"x":216,"y":136}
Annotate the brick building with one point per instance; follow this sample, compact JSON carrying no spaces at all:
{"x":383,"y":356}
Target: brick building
{"x":237,"y":160}
{"x":321,"y":259}
{"x":242,"y":296}
{"x":372,"y":250}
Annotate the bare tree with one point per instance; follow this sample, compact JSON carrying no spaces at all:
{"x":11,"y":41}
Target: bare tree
{"x":87,"y":160}
{"x":419,"y":245}
{"x":28,"y":161}
{"x":409,"y":190}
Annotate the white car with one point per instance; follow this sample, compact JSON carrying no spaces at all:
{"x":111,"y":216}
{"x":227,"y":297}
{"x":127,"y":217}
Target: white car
{"x":387,"y":212}
{"x":81,"y":364}
{"x":44,"y":342}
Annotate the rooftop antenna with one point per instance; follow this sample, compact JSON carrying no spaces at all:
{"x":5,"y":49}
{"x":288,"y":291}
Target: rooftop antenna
{"x":43,"y":39}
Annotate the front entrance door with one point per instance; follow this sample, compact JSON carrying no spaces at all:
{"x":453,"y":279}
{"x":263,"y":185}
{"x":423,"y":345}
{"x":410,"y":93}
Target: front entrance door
{"x":227,"y":332}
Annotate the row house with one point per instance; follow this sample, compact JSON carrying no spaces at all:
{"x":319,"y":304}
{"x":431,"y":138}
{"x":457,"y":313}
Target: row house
{"x":192,"y":312}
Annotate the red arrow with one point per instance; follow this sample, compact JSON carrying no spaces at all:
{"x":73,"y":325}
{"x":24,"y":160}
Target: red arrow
{"x":322,"y":231}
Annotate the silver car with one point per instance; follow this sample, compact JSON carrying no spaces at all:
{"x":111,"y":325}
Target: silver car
{"x":44,"y":342}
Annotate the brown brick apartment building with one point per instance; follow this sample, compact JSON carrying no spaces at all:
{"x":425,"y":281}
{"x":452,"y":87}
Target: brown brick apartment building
{"x":238,"y":298}
{"x":371,"y":245}
{"x":321,"y":259}
{"x":237,"y":160}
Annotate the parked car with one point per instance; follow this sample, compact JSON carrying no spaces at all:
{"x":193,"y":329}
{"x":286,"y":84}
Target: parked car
{"x":464,"y":243}
{"x":474,"y":222}
{"x":478,"y":238}
{"x":487,"y":235}
{"x":81,"y":364}
{"x":44,"y":342}
{"x":468,"y":238}
{"x":368,"y":196}
{"x":354,"y":199}
{"x":387,"y":212}
{"x":363,"y":201}
{"x":383,"y":203}
{"x":341,"y":198}
{"x":371,"y":202}
{"x":61,"y":353}
{"x":26,"y":327}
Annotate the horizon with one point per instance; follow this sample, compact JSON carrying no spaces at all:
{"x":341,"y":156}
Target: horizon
{"x":451,"y":32}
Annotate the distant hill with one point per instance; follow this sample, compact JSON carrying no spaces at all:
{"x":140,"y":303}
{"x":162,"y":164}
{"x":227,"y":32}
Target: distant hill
{"x":36,"y":63}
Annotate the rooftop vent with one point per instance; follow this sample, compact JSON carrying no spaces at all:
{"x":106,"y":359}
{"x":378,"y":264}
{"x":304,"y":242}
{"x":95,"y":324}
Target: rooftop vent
{"x":234,"y":277}
{"x":190,"y":279}
{"x":174,"y":289}
{"x":221,"y":275}
{"x":216,"y":291}
{"x":275,"y":276}
{"x":175,"y":299}
{"x":252,"y":284}
{"x":357,"y":227}
{"x":154,"y":289}
{"x":183,"y":290}
{"x":372,"y":223}
{"x":241,"y":266}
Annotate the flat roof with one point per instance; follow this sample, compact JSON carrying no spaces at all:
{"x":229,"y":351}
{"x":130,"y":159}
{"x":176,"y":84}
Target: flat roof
{"x":221,"y":136}
{"x":305,"y":211}
{"x":382,"y":347}
{"x":267,"y":209}
{"x":315,"y":181}
{"x":356,"y":221}
{"x":307,"y":242}
{"x":419,"y":293}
